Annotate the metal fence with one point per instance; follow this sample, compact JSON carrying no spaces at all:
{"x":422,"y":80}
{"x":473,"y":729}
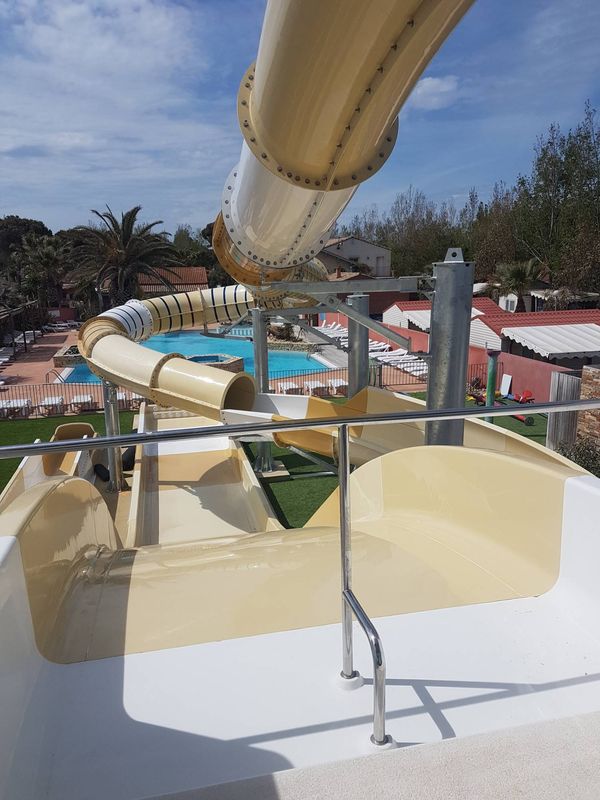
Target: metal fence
{"x":562,"y":428}
{"x":21,"y":401}
{"x":25,"y":400}
{"x":411,"y":375}
{"x":335,"y":381}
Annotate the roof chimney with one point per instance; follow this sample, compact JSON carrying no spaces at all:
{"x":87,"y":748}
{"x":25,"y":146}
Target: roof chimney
{"x":338,"y":272}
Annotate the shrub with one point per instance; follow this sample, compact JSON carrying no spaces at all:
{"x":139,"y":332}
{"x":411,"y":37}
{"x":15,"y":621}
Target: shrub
{"x":584,"y":452}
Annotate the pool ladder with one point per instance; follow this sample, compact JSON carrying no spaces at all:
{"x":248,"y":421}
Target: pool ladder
{"x":57,"y":375}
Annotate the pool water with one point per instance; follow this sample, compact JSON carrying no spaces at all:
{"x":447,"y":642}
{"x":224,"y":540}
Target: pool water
{"x":190,"y":343}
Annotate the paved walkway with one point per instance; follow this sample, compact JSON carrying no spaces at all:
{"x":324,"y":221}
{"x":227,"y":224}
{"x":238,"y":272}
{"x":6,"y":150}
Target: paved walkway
{"x":338,"y":358}
{"x":32,"y":366}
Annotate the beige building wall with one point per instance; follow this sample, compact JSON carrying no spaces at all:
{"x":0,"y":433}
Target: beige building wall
{"x":358,"y":251}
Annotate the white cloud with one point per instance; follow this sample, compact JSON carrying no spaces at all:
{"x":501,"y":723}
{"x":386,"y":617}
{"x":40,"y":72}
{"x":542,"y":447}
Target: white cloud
{"x":108,"y":102}
{"x":431,"y":94}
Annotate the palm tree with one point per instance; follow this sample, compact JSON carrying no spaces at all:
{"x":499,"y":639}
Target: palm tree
{"x":115,"y":254}
{"x":40,"y":264}
{"x":518,"y":279}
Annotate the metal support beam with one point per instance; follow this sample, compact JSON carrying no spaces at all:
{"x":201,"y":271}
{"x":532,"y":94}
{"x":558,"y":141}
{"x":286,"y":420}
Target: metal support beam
{"x":319,"y":334}
{"x":320,"y":462}
{"x":371,"y":324}
{"x":225,"y":332}
{"x":408,"y":283}
{"x":358,"y":345}
{"x":295,"y":310}
{"x":492,"y":372}
{"x":264,"y":459}
{"x":113,"y":428}
{"x":449,"y":345}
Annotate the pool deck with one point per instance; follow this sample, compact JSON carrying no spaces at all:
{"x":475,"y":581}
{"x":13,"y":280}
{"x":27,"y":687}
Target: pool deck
{"x":33,"y":366}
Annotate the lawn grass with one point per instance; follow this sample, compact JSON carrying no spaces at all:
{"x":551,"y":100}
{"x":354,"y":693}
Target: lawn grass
{"x":25,"y":431}
{"x":535,"y":432}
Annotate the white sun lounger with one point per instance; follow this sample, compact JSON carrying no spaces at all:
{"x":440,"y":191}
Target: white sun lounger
{"x":340,"y":333}
{"x":379,"y":347}
{"x":338,"y":386}
{"x":315,"y":388}
{"x":85,"y":402}
{"x":50,"y":403}
{"x":288,"y":387}
{"x":18,"y":407}
{"x":392,"y":355}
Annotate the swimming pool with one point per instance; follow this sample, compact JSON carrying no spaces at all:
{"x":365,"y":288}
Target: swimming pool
{"x":190,"y":343}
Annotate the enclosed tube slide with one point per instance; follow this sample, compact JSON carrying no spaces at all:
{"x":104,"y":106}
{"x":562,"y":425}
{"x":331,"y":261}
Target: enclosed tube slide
{"x":318,"y":112}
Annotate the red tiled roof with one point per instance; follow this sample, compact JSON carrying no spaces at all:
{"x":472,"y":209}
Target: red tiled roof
{"x":188,"y":276}
{"x":484,"y":304}
{"x":496,"y":319}
{"x":413,"y":305}
{"x":520,"y":319}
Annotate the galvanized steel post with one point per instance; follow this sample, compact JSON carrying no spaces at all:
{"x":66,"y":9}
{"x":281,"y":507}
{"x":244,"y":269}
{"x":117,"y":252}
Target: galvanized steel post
{"x":358,"y":346}
{"x":113,"y":428}
{"x":264,"y":459}
{"x":449,"y":345}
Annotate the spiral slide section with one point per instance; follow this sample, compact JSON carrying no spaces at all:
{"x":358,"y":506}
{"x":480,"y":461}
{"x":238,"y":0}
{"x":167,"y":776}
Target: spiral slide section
{"x":111,"y":346}
{"x":318,"y":111}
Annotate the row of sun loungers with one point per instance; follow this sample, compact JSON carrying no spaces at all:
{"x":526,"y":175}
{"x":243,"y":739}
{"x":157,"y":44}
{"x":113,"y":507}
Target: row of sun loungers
{"x":340,"y":334}
{"x":56,"y":327}
{"x":335,"y":386}
{"x":55,"y":405}
{"x":380,"y":351}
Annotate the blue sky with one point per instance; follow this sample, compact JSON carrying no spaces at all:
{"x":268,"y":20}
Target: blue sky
{"x":133,"y":102}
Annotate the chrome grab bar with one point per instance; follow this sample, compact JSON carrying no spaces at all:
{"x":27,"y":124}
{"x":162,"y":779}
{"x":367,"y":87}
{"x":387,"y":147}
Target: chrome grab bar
{"x":351,"y":605}
{"x":379,"y":735}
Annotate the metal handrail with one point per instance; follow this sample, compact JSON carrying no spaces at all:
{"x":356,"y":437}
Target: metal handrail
{"x":56,"y":373}
{"x":247,"y":428}
{"x":350,"y":603}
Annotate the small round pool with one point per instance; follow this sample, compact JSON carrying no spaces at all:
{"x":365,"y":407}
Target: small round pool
{"x":214,"y":358}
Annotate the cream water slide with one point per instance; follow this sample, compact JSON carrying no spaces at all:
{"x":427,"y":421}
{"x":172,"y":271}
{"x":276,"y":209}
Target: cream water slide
{"x":170,"y":638}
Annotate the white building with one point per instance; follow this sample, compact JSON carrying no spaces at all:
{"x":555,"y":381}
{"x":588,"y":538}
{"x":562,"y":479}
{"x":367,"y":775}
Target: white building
{"x":350,"y":252}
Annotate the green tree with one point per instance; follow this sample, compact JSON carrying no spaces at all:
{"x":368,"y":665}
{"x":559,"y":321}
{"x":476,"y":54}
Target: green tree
{"x":12,"y":231}
{"x":40,"y":265}
{"x":115,"y":253}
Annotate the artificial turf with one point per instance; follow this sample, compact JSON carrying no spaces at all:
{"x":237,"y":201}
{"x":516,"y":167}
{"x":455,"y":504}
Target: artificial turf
{"x":295,"y":501}
{"x":25,"y":431}
{"x":535,"y":432}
